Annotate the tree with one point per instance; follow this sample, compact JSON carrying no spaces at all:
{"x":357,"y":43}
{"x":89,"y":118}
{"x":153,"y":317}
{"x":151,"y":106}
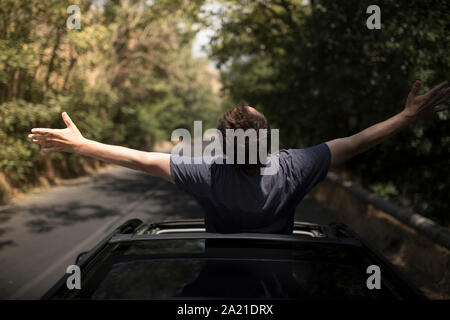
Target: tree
{"x":128,"y":73}
{"x":319,"y":73}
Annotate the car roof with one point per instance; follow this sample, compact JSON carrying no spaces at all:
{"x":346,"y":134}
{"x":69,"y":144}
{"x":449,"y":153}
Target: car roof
{"x":135,"y":230}
{"x":143,"y":248}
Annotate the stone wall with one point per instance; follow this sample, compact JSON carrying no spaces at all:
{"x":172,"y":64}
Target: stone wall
{"x":423,"y":261}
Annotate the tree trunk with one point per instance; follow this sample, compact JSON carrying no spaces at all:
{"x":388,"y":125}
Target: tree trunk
{"x":51,"y":64}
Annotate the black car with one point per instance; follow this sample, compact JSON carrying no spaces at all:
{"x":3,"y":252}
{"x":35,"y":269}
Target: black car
{"x":179,"y":260}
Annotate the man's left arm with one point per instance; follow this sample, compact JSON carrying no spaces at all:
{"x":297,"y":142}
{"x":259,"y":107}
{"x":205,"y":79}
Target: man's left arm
{"x":343,"y":149}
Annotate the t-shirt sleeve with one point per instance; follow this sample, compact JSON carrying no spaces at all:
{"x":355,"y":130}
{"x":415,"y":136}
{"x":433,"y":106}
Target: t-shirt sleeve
{"x":310,"y":165}
{"x":193,"y":178}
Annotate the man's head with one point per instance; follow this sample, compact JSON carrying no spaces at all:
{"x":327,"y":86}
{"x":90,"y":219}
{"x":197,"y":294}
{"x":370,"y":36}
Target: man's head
{"x":245,"y":117}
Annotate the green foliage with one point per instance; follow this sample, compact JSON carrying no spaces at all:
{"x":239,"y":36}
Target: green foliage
{"x":126,"y":77}
{"x":318,"y":73}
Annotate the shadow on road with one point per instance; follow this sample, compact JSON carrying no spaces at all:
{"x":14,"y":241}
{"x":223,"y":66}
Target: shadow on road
{"x":128,"y":187}
{"x":165,"y":199}
{"x":46,"y":218}
{"x":108,"y":195}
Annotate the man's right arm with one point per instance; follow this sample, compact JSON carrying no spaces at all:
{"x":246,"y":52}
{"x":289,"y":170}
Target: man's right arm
{"x":71,"y":140}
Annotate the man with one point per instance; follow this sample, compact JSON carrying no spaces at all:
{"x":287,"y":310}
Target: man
{"x":236,"y":198}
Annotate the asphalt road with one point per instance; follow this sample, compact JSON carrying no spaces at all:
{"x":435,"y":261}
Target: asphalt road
{"x":43,"y":233}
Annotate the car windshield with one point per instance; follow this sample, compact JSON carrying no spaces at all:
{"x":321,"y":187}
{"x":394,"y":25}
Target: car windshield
{"x":199,"y":268}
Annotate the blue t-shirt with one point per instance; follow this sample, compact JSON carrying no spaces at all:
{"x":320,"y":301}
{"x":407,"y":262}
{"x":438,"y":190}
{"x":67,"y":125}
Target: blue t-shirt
{"x":234,"y":201}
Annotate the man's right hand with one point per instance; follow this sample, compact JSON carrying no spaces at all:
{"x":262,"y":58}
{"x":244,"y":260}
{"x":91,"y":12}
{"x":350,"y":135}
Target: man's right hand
{"x":58,"y":140}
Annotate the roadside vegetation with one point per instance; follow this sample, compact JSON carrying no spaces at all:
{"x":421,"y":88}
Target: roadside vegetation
{"x":126,"y":77}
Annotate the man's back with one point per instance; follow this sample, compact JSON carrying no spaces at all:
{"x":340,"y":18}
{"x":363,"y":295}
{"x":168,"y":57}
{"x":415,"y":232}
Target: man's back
{"x":235,"y":201}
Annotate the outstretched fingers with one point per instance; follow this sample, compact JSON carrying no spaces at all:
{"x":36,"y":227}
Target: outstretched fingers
{"x":48,"y":145}
{"x":44,"y":131}
{"x":440,"y":108}
{"x":439,"y":98}
{"x":51,"y":149}
{"x":436,"y":90}
{"x":45,"y":141}
{"x":69,"y":123}
{"x":38,"y":137}
{"x":445,"y":97}
{"x":415,"y":88}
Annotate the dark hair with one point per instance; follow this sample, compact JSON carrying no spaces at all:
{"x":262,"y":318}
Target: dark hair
{"x":242,"y":117}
